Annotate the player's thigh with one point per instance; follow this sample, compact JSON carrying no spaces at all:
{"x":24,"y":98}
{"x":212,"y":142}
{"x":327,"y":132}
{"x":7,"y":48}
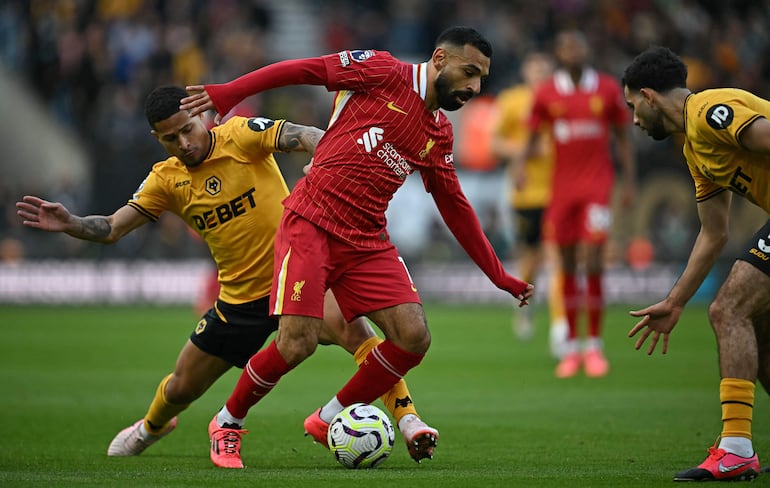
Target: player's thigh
{"x":366,"y":280}
{"x":746,"y":290}
{"x":561,"y":223}
{"x":336,"y":330}
{"x":301,"y":268}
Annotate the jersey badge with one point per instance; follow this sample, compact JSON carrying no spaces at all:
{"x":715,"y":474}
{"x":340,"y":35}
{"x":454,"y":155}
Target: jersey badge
{"x":213,"y":185}
{"x":259,"y":124}
{"x":596,"y":105}
{"x":361,"y":55}
{"x":296,"y":296}
{"x":201,"y":326}
{"x":371,"y":138}
{"x":719,"y":116}
{"x":428,"y":146}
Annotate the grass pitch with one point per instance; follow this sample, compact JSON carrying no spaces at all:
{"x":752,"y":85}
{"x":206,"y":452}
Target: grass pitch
{"x":72,"y":377}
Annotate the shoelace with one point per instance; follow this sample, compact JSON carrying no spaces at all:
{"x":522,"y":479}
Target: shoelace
{"x":231,"y":440}
{"x":716,"y":453}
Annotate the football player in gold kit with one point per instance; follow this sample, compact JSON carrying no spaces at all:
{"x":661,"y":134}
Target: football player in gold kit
{"x":727,"y":149}
{"x":226,"y":185}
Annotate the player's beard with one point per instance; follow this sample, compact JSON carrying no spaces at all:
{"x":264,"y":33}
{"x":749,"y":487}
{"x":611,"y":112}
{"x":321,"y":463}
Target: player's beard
{"x":448,"y":98}
{"x":656,"y":129}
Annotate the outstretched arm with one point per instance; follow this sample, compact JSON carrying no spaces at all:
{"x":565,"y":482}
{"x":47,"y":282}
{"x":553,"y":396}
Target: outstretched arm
{"x":223,"y":97}
{"x":464,"y":225}
{"x":662,"y":317}
{"x":54,"y":217}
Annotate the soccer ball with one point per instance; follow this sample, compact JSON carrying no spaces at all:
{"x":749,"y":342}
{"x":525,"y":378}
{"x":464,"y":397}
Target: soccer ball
{"x":361,"y":436}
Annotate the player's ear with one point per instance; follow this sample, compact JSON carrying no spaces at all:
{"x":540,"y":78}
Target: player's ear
{"x":649,"y":95}
{"x":439,"y":58}
{"x":155,"y":134}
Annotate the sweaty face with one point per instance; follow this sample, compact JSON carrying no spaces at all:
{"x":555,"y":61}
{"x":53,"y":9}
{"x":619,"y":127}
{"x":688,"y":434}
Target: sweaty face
{"x":646,"y":116}
{"x":460,"y":78}
{"x":184,"y":137}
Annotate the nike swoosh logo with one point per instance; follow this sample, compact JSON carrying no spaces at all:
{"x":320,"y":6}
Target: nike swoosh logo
{"x":727,"y":469}
{"x":393,"y":107}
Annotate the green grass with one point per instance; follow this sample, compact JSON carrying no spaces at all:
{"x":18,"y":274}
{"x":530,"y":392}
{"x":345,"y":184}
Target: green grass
{"x":71,"y":377}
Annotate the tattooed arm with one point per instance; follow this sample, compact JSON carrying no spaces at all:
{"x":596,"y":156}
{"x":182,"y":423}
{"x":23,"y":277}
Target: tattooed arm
{"x":54,"y":217}
{"x":295,"y":137}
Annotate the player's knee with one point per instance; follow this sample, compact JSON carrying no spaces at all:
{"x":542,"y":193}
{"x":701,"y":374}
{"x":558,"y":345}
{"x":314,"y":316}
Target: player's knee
{"x":296,"y":348}
{"x":415,"y":338}
{"x":717,"y":314}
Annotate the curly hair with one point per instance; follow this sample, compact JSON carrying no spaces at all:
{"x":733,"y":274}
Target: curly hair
{"x":658,"y":68}
{"x":162,"y":103}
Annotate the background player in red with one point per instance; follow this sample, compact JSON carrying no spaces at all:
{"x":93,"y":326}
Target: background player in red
{"x":581,"y":108}
{"x":530,"y":192}
{"x":386,"y":123}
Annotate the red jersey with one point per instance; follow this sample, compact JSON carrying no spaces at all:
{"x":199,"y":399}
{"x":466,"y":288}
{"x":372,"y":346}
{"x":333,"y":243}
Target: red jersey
{"x":379,"y":133}
{"x":579,"y":119}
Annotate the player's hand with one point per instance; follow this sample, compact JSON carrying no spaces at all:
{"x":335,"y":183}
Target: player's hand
{"x":526,"y":295}
{"x":521,"y":290}
{"x":657,"y":320}
{"x":42,"y":214}
{"x":198,"y":102}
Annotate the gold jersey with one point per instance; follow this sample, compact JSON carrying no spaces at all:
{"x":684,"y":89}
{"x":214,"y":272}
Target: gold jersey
{"x":514,"y":106}
{"x":232,"y":200}
{"x":714,"y":120}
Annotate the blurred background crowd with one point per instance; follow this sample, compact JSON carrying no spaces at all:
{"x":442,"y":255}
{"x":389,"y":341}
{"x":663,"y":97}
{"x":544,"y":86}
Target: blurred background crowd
{"x":74,"y":74}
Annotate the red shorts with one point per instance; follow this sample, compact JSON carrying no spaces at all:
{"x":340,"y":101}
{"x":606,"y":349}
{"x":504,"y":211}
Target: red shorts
{"x":586,"y":218}
{"x":309,"y":260}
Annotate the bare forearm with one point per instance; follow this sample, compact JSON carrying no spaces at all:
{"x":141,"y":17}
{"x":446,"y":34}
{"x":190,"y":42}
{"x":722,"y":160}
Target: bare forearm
{"x":296,"y":137}
{"x":91,"y":228}
{"x":702,"y":258}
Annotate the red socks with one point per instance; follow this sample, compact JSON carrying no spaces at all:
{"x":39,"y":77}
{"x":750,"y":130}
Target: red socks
{"x":571,"y":303}
{"x":382,"y":368}
{"x":595,"y":305}
{"x":260,"y":375}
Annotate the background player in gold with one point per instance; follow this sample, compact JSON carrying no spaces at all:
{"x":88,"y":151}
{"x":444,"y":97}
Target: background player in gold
{"x":225,"y":184}
{"x":727,"y":148}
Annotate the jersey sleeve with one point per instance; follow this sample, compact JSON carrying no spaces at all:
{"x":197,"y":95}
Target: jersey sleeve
{"x":724,"y":120}
{"x":357,"y":70}
{"x":257,"y":136}
{"x":461,"y":219}
{"x":704,"y":187}
{"x":151,"y":198}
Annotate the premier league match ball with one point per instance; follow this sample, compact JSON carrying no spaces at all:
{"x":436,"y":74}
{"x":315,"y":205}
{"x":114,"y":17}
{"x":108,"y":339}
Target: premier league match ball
{"x":361,"y":436}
